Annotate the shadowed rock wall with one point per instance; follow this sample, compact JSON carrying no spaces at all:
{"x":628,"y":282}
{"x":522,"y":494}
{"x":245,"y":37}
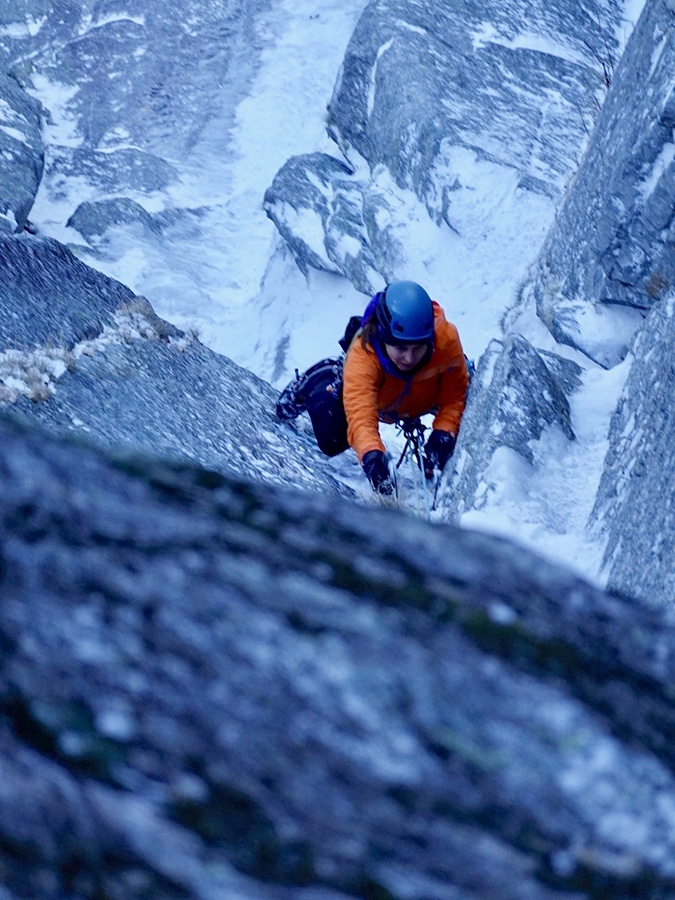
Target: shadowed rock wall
{"x":21,"y":152}
{"x":81,"y":354}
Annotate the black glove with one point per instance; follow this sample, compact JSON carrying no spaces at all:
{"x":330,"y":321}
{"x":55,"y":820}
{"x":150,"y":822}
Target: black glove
{"x":376,"y":467}
{"x":438,"y":450}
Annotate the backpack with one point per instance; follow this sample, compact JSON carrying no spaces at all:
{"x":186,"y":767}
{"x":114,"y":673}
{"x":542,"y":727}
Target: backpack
{"x":353,"y":326}
{"x":318,"y":391}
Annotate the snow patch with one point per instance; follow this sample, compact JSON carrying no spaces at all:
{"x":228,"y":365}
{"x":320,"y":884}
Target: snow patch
{"x":417,"y":29}
{"x":488,"y":34}
{"x":29,"y":27}
{"x":14,"y":133}
{"x":61,"y":127}
{"x":308,"y":225}
{"x":8,"y":216}
{"x":9,"y":114}
{"x":373,"y":75}
{"x":632,"y":10}
{"x":120,"y":17}
{"x":656,"y":55}
{"x":33,"y":373}
{"x":88,"y":23}
{"x":662,"y":162}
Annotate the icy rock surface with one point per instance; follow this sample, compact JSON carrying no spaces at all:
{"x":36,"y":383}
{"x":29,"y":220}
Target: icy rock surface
{"x":514,"y":395}
{"x":128,"y":66}
{"x":132,"y":86}
{"x":21,"y":153}
{"x":79,"y":353}
{"x":609,"y":257}
{"x":635,"y":508}
{"x":199,"y":702}
{"x":424,"y":84}
{"x":328,"y":219}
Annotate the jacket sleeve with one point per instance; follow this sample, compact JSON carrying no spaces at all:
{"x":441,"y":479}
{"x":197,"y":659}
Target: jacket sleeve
{"x":454,"y":382}
{"x":362,"y":376}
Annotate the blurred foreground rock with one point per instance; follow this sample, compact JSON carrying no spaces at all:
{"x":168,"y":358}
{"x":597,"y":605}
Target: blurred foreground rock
{"x":214,"y":689}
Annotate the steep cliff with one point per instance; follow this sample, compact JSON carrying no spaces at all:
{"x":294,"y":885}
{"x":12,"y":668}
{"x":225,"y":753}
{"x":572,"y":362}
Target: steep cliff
{"x":609,"y":263}
{"x":213,"y":687}
{"x":609,"y":258}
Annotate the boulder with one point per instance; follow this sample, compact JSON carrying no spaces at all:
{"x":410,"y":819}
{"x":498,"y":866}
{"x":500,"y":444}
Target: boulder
{"x":329,"y":219}
{"x":49,"y":297}
{"x":516,"y":392}
{"x":93,"y":218}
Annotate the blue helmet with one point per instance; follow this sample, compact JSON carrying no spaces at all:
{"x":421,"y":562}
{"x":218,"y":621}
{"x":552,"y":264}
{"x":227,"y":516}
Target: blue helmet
{"x":405,"y":314}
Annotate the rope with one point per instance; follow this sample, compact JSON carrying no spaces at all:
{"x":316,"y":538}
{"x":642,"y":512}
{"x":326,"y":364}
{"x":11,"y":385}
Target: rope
{"x":413,"y":430}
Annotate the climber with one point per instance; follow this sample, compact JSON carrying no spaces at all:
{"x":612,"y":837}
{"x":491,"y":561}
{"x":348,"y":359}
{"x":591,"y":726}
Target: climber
{"x":404,"y":360}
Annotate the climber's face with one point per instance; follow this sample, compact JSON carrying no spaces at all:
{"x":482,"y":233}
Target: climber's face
{"x":405,"y":356}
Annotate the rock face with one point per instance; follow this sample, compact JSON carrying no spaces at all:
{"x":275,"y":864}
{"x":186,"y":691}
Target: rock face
{"x":426,"y":87}
{"x":515,"y":394}
{"x":634,"y":507}
{"x":22,"y":154}
{"x":328,"y":219}
{"x":198,"y":700}
{"x":421,"y":78}
{"x":48,"y":296}
{"x":79,"y":353}
{"x":138,"y":83}
{"x":610,"y":256}
{"x":213,"y":689}
{"x":127,"y":65}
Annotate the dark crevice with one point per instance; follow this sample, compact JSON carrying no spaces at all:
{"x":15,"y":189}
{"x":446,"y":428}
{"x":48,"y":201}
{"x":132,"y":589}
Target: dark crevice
{"x":91,"y":754}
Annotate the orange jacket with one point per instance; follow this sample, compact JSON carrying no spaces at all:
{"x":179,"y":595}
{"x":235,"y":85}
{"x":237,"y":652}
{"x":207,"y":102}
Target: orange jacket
{"x":371,"y":394}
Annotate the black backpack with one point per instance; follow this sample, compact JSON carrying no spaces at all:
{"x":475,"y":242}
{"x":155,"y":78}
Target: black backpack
{"x":318,"y":391}
{"x":350,"y":331}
